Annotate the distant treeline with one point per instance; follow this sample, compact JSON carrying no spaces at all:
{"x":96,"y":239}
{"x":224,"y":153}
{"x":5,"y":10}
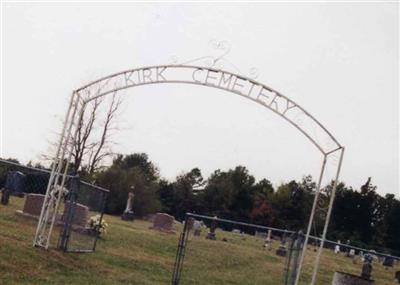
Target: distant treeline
{"x":360,"y":215}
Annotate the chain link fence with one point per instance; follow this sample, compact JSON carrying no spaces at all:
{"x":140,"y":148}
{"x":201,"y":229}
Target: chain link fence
{"x":80,"y":221}
{"x":211,"y":249}
{"x":219,"y":251}
{"x":83,"y":217}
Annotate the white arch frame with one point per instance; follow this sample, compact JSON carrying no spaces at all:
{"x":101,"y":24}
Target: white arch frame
{"x":237,"y":84}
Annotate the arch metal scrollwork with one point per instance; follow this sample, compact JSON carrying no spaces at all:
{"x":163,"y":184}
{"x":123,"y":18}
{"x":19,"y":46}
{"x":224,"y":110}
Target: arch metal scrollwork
{"x":237,"y":84}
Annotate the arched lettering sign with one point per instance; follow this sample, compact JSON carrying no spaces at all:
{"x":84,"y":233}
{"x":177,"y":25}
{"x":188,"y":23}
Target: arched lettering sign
{"x":234,"y":83}
{"x":196,"y":75}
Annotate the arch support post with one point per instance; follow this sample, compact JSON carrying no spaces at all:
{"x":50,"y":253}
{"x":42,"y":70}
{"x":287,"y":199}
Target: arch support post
{"x":55,"y":187}
{"x":310,"y":221}
{"x":327,"y":220}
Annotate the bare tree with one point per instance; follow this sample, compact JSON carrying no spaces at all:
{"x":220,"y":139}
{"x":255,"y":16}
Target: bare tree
{"x":85,"y":127}
{"x":101,"y":148}
{"x":93,"y":141}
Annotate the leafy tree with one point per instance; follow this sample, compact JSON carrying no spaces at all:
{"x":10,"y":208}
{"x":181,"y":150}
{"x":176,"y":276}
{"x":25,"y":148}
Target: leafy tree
{"x":166,"y":196}
{"x":392,"y":221}
{"x":131,"y":173}
{"x":218,"y":194}
{"x":184,"y":198}
{"x":263,"y":212}
{"x":138,"y":160}
{"x":230,"y":194}
{"x":292,"y":203}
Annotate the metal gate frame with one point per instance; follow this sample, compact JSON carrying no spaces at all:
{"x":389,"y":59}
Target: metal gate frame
{"x":213,"y":77}
{"x":291,"y":268}
{"x":66,"y":230}
{"x":68,"y":218}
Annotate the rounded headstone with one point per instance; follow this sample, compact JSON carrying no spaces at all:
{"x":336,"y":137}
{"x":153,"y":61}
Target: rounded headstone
{"x":341,"y":278}
{"x":81,"y":214}
{"x":163,"y":222}
{"x":33,"y":204}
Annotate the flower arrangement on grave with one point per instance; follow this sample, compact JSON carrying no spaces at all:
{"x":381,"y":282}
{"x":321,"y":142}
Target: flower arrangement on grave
{"x":95,"y":225}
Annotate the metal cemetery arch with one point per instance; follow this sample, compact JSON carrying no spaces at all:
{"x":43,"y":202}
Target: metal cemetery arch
{"x":248,"y":88}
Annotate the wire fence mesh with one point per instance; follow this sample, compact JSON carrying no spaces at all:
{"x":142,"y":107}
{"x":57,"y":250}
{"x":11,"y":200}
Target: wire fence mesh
{"x":219,"y":251}
{"x":20,"y":179}
{"x":80,"y":221}
{"x":211,"y":250}
{"x":84,"y":221}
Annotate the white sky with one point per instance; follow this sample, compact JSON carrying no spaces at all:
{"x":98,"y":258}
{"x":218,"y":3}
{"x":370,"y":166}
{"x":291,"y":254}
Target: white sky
{"x":339,"y":61}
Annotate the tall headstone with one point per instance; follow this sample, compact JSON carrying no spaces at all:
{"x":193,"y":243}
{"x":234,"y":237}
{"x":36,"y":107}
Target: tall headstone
{"x":367,"y":267}
{"x":353,"y":255}
{"x":211,"y":234}
{"x":268,"y":240}
{"x":197,"y":228}
{"x":128,"y":213}
{"x":348,"y":248}
{"x":337,"y":247}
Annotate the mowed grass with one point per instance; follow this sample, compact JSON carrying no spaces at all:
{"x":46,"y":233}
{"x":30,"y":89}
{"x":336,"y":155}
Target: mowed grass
{"x":131,"y":253}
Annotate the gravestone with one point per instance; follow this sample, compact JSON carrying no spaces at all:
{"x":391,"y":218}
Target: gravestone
{"x":33,"y":205}
{"x":397,"y":276}
{"x":388,"y":261}
{"x":341,"y":278}
{"x":337,"y":247}
{"x":128,"y":213}
{"x":5,"y":196}
{"x":80,"y":217}
{"x":348,"y":248}
{"x":367,"y":267}
{"x":15,"y":182}
{"x":268,"y":241}
{"x":190,"y":223}
{"x":361,"y":254}
{"x":197,"y":228}
{"x":164,"y":223}
{"x":211,"y":234}
{"x":281,"y":251}
{"x":352,"y":254}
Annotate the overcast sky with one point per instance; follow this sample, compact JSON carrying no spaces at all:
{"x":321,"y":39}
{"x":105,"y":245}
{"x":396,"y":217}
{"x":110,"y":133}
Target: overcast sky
{"x":339,"y":61}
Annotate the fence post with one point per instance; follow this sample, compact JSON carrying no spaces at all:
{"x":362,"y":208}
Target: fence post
{"x":180,"y":254}
{"x":69,"y":213}
{"x":292,"y":266}
{"x":103,"y":205}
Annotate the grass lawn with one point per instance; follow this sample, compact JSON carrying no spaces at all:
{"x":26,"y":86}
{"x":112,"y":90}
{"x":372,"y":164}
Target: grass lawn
{"x":131,"y":253}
